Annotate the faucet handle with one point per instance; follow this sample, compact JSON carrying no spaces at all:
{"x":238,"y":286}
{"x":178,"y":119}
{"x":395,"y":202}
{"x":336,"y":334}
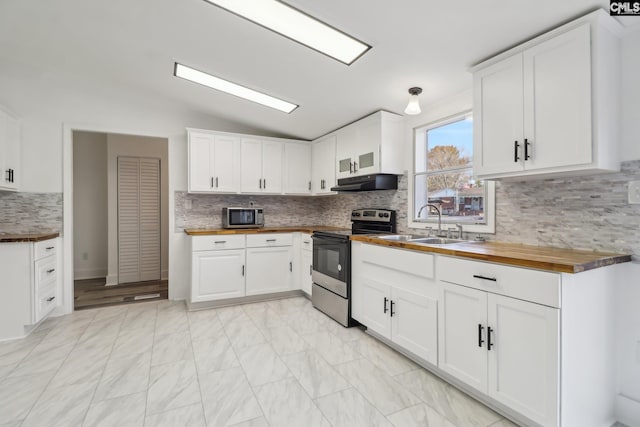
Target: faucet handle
{"x":429,"y":231}
{"x":450,"y":231}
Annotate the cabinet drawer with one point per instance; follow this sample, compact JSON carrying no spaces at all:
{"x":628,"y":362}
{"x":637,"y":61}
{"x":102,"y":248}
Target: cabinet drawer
{"x":306,"y":242}
{"x":212,"y":243}
{"x":46,"y":272}
{"x":410,"y":262}
{"x":46,"y":248}
{"x":530,"y":285}
{"x":45,"y":302}
{"x":264,"y":240}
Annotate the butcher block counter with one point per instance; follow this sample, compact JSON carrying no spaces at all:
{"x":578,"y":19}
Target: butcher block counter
{"x":538,"y":257}
{"x":296,"y":229}
{"x":26,"y":237}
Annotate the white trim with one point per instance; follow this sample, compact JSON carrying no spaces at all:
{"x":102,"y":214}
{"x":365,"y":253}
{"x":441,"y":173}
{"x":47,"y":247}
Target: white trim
{"x":67,"y":199}
{"x":489,"y":227}
{"x":90,"y":274}
{"x":627,"y":410}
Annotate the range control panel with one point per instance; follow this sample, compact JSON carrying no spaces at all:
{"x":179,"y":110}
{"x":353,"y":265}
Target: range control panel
{"x":378,"y":215}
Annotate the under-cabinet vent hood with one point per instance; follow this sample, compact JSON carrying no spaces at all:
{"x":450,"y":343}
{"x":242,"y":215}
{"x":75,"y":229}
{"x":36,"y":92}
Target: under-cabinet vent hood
{"x":380,"y":181}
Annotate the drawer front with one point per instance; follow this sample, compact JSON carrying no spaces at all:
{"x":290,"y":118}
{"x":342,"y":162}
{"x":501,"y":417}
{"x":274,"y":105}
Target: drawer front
{"x":212,"y":243}
{"x":45,"y":302}
{"x":265,"y":240}
{"x":46,"y":248}
{"x":540,"y":287}
{"x":306,"y":242}
{"x":46,"y":272}
{"x":411,"y":262}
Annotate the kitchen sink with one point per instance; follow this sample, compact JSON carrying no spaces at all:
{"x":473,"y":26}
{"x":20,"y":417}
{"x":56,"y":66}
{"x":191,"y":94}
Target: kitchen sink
{"x":397,"y":237}
{"x":436,"y":240}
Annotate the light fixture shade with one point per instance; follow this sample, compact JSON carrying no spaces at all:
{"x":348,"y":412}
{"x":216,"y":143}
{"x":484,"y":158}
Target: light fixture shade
{"x":413,"y":107}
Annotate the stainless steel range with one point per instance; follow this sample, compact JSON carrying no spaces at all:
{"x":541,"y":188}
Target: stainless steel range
{"x":331,"y":292}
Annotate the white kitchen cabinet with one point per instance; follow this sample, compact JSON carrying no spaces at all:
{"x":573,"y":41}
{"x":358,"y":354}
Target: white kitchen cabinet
{"x":297,"y":168}
{"x":370,"y":145}
{"x":31,"y":285}
{"x":261,"y":166}
{"x":306,"y":263}
{"x":549,"y":106}
{"x":9,"y":152}
{"x":394,"y":295}
{"x":214,"y":162}
{"x":323,"y":168}
{"x":217,"y":267}
{"x":269,"y":263}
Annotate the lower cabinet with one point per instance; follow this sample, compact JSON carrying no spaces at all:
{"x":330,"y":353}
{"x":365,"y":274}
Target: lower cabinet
{"x":394,"y":295}
{"x":217,"y":274}
{"x":269,"y":270}
{"x":306,"y":264}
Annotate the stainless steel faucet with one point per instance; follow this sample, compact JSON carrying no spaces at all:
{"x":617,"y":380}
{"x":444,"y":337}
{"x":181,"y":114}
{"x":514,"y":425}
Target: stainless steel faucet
{"x":429,"y":205}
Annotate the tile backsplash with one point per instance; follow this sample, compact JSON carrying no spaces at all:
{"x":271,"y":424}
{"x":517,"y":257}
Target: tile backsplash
{"x":29,"y":212}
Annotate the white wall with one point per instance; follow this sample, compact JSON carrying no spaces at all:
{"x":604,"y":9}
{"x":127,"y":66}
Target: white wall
{"x":136,"y":146}
{"x":631,"y":94}
{"x":90,"y":205}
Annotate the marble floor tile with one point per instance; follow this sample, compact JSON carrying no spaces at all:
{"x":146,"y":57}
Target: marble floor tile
{"x":82,"y":366}
{"x":243,"y":334}
{"x":264,"y":317}
{"x":377,"y":386}
{"x":315,"y":375}
{"x":384,"y":357}
{"x":289,"y":305}
{"x":262,"y":365}
{"x":304,"y":323}
{"x":227,"y":398}
{"x":12,"y":352}
{"x":205,"y":326}
{"x":256,"y":422}
{"x":233,"y":314}
{"x":214,"y":355}
{"x":133,"y":341}
{"x":61,"y":407}
{"x":6,"y":370}
{"x":331,"y":348}
{"x":67,"y":331}
{"x":171,"y":348}
{"x":167,"y":306}
{"x":172,"y":386}
{"x":506,"y":423}
{"x":44,"y":357}
{"x":285,"y":340}
{"x":419,"y":416}
{"x":187,"y":416}
{"x":113,"y":314}
{"x":451,"y":403}
{"x":171,"y":322}
{"x":345,"y":334}
{"x":126,"y":375}
{"x":348,"y":408}
{"x":18,"y":394}
{"x":124,"y":411}
{"x":136,"y":319}
{"x":100,"y":333}
{"x":285,"y":403}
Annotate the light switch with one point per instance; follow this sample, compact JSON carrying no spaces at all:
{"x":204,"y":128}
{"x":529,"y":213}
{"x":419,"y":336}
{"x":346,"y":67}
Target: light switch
{"x":634,"y":192}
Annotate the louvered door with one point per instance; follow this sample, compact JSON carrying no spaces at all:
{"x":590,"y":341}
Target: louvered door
{"x":138,"y":219}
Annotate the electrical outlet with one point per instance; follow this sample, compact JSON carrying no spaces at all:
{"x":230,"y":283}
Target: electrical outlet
{"x":634,"y":192}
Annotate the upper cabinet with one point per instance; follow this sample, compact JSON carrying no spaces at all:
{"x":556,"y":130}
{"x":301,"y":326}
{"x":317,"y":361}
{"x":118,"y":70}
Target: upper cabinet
{"x":550,"y":106}
{"x":214,"y":162}
{"x":9,"y":152}
{"x":261,"y":166}
{"x":323,"y":167}
{"x":373,"y":144}
{"x":297,"y":168}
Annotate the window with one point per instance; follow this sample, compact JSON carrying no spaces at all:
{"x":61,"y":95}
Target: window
{"x":443,"y":180}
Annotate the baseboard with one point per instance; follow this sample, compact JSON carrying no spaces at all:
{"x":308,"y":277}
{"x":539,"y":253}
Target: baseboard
{"x":627,"y":411}
{"x":112,"y":280}
{"x":89,"y":274}
{"x":194,"y":306}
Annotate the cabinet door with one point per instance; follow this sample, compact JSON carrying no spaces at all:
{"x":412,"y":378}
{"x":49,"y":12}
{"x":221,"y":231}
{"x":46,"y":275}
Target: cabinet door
{"x":217,"y":275}
{"x":12,"y":153}
{"x":306,"y":262}
{"x":460,"y":351}
{"x":523,"y":359}
{"x":269,"y":270}
{"x":557,"y":100}
{"x":272,"y":167}
{"x":297,"y":168}
{"x":367,"y":149}
{"x":498,"y":120}
{"x":323,"y":155}
{"x":251,"y":166}
{"x":346,"y":144}
{"x":226,"y":153}
{"x":415,"y":324}
{"x":375,"y":306}
{"x":200,"y":159}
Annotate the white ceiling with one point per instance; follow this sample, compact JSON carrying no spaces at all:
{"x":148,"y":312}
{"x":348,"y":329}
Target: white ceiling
{"x":133,"y":45}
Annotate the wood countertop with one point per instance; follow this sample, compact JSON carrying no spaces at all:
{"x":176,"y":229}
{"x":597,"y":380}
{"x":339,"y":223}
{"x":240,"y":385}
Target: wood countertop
{"x":302,"y":229}
{"x":26,"y":237}
{"x":538,"y":257}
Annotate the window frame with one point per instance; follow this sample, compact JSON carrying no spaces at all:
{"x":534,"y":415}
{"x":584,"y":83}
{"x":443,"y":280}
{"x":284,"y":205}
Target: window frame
{"x":490,"y":202}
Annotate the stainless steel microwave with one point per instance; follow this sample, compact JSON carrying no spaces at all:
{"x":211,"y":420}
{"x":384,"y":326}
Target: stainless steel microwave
{"x":242,"y":218}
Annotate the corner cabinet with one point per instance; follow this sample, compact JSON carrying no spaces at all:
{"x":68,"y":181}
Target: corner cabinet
{"x":551,"y":105}
{"x":9,"y":152}
{"x":214,"y":162}
{"x":297,"y":168}
{"x":371,"y":145}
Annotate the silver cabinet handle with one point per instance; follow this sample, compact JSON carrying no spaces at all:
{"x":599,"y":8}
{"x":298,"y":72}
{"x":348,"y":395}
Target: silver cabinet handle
{"x":220,"y":241}
{"x":216,"y":182}
{"x":260,"y":183}
{"x":243,"y":270}
{"x":49,"y":248}
{"x":211,"y":182}
{"x":351,"y":167}
{"x":492,"y":279}
{"x":50,"y":299}
{"x":264,"y":183}
{"x":310,"y":270}
{"x":355,"y":167}
{"x":309,"y":185}
{"x":51,"y":270}
{"x":290,"y":266}
{"x":306,"y":242}
{"x":270,"y":240}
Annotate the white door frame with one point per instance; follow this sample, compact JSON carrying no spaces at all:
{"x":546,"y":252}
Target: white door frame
{"x":67,"y":200}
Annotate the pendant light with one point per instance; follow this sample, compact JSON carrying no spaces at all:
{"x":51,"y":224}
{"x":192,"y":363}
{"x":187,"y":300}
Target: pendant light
{"x":413,"y":107}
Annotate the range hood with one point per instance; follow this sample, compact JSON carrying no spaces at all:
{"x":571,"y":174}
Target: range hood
{"x":380,"y":181}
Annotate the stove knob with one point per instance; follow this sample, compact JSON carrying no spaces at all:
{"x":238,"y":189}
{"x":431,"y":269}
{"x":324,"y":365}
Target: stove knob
{"x":357,"y":214}
{"x":386,"y":215}
{"x":354,"y":214}
{"x":380,"y":214}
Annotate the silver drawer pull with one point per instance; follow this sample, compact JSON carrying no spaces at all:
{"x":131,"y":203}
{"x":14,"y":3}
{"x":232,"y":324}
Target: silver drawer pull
{"x":50,"y":299}
{"x":493,"y":279}
{"x":51,"y":270}
{"x":220,"y":241}
{"x":50,"y":247}
{"x":306,"y":243}
{"x":271,"y":240}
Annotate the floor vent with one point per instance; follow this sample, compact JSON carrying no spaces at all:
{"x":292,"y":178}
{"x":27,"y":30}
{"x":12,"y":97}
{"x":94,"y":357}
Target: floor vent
{"x":147,"y":296}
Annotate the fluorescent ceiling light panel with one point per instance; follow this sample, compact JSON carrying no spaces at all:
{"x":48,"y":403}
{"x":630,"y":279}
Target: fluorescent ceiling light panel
{"x":298,"y":26}
{"x":217,"y":83}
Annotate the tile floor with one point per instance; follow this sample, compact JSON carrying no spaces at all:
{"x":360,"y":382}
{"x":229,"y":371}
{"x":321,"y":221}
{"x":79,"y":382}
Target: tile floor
{"x":278,"y":363}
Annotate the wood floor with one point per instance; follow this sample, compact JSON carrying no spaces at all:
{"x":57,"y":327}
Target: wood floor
{"x":93,"y":293}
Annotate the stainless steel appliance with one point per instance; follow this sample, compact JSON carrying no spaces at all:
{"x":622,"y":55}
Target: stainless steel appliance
{"x":331,"y":274}
{"x":242,"y":217}
{"x":380,"y":181}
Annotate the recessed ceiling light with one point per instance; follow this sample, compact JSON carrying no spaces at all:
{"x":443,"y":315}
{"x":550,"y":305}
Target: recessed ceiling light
{"x":298,"y":26}
{"x":223,"y":85}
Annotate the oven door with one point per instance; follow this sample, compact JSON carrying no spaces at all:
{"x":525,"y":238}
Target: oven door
{"x":331,"y":257}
